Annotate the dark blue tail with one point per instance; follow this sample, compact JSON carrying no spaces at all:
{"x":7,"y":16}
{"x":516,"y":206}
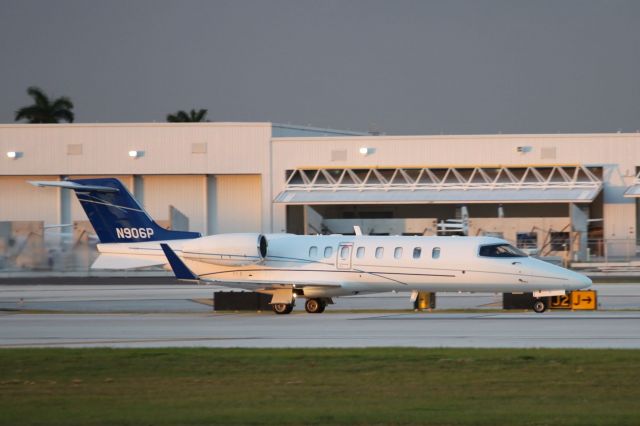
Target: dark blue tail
{"x":116,"y":215}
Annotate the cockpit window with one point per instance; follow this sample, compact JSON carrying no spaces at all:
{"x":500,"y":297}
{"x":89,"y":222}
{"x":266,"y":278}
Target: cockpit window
{"x":500,"y":250}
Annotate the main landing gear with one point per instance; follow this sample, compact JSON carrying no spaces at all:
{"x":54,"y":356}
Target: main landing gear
{"x":282,"y":308}
{"x":315,"y":306}
{"x":312,"y":306}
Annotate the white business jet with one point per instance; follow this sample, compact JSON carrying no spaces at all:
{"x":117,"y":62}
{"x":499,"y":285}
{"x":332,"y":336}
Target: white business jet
{"x":316,"y":268}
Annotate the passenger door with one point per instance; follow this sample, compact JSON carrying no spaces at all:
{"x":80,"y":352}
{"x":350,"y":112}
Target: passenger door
{"x":343,"y":257}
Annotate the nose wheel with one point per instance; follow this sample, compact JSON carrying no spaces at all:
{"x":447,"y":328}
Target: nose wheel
{"x":315,"y":306}
{"x":539,"y":306}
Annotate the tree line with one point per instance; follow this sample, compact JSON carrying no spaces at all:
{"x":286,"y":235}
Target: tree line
{"x":47,"y":110}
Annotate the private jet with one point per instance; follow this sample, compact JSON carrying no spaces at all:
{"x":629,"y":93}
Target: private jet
{"x":316,"y":268}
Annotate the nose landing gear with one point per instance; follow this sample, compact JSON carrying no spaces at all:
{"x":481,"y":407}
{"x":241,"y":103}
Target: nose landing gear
{"x":539,"y":305}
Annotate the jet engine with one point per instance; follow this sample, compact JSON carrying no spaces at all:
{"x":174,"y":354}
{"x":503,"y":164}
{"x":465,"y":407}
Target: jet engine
{"x":227,"y":249}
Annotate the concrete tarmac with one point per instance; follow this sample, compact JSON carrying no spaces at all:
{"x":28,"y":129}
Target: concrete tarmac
{"x":167,"y":296}
{"x":164,"y":314}
{"x":343,"y":330}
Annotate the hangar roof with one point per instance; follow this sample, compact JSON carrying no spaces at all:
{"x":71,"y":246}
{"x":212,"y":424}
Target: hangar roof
{"x":444,"y":185}
{"x":290,"y":130}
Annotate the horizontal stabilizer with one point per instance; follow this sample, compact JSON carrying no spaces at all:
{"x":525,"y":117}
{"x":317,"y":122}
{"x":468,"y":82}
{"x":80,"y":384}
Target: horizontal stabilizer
{"x":72,"y":185}
{"x":181,"y":271}
{"x":118,"y":261}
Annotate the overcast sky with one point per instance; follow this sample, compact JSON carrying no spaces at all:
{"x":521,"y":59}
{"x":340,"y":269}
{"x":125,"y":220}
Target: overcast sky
{"x":402,"y":67}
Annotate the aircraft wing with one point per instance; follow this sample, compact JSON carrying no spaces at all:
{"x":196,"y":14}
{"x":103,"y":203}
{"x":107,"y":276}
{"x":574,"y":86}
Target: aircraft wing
{"x":250,"y":285}
{"x":119,"y":261}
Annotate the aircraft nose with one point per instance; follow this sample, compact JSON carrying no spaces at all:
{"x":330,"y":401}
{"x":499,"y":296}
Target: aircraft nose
{"x":586,"y":281}
{"x":579,"y":281}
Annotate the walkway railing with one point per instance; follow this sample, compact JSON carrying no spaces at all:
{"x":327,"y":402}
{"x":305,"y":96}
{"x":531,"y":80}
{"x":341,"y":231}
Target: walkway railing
{"x":437,"y":179}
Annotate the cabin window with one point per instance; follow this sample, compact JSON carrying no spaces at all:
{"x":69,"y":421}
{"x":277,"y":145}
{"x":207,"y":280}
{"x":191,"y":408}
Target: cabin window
{"x":313,"y":251}
{"x":328,"y":251}
{"x":435,"y":253}
{"x":417,"y":252}
{"x":360,"y":252}
{"x":500,"y":250}
{"x":344,"y":252}
{"x":379,"y":252}
{"x":397,"y":253}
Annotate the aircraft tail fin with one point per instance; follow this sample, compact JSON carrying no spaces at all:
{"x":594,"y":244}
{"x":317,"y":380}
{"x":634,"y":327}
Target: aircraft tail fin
{"x":115,"y":215}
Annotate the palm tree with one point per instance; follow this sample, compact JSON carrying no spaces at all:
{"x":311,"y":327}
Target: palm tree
{"x":44,"y":110}
{"x":192,"y":117}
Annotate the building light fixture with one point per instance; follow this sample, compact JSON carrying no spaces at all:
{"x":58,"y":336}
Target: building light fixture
{"x":135,"y":154}
{"x":365,"y":150}
{"x":14,"y":154}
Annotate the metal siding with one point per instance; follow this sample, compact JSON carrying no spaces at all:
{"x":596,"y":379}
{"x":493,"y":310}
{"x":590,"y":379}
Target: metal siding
{"x":238,"y":203}
{"x":186,"y":193}
{"x":619,"y":221}
{"x":234,"y":148}
{"x":620,"y":151}
{"x":396,"y":151}
{"x":20,"y":200}
{"x":231,"y":148}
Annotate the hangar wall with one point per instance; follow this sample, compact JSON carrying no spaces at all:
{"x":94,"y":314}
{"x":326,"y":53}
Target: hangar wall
{"x":21,"y":201}
{"x":237,"y":200}
{"x":617,"y":154}
{"x":184,"y":192}
{"x":173,"y":167}
{"x":225,"y":176}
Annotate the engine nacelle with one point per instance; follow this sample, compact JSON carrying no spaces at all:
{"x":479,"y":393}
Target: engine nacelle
{"x":227,"y":249}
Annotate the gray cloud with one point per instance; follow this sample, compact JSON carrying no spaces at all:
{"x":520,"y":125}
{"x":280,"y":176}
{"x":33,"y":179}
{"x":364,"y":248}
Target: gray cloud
{"x":417,"y":67}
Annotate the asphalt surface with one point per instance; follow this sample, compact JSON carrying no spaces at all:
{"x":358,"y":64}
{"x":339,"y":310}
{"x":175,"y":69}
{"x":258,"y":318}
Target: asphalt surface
{"x":160,"y":313}
{"x":163,"y":295}
{"x":550,"y":330}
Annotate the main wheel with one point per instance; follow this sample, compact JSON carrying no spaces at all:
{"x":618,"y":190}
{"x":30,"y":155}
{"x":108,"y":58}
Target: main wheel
{"x":539,"y":306}
{"x":282,"y":308}
{"x":314,"y":306}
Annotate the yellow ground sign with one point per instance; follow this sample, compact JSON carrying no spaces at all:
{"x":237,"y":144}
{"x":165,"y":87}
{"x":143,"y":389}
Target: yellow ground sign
{"x":576,"y":300}
{"x":560,"y":302}
{"x":584,"y":299}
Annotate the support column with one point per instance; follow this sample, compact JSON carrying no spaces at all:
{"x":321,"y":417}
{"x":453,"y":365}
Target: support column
{"x":138,"y":189}
{"x":212,"y":214}
{"x":65,"y":205}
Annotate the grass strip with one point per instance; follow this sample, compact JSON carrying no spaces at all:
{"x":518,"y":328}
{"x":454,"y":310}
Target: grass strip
{"x":319,"y":386}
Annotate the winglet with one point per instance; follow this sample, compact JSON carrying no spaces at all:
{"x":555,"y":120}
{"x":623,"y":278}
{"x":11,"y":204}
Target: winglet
{"x":181,"y":271}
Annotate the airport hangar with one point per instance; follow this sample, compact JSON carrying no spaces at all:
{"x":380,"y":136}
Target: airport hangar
{"x":569,"y":195}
